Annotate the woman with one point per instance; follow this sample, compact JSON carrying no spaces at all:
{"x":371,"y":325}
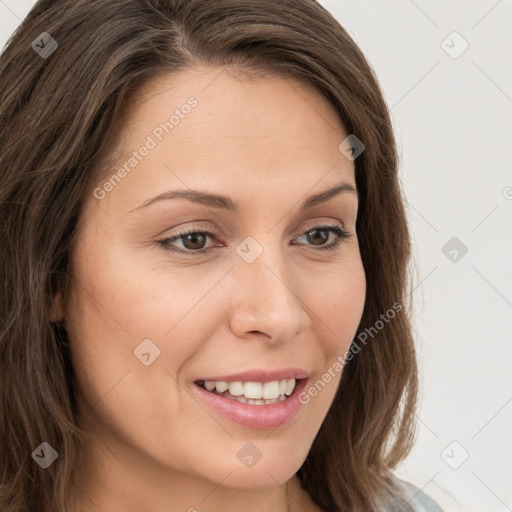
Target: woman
{"x":204,"y":257}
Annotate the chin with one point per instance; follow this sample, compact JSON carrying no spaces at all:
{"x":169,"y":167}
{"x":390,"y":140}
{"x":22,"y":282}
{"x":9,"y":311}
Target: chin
{"x":261,"y":476}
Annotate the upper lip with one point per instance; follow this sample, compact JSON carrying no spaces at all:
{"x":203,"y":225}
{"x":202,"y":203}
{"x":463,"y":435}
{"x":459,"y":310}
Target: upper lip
{"x":261,"y":375}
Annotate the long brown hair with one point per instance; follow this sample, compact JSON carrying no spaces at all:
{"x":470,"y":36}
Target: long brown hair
{"x":57,"y":114}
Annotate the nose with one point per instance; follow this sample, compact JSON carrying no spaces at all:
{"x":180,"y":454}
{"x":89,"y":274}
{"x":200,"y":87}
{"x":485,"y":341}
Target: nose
{"x":267,"y":297}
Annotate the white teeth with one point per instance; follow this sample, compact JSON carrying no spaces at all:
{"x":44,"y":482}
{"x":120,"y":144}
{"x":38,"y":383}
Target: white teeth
{"x":244,"y":400}
{"x":253,"y":390}
{"x":221,"y":386}
{"x":271,"y":389}
{"x":290,"y":386}
{"x":209,"y":385}
{"x":236,"y":388}
{"x":256,"y":402}
{"x":254,"y":393}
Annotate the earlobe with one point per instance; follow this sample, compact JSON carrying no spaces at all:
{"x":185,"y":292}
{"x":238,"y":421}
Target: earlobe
{"x":57,"y":310}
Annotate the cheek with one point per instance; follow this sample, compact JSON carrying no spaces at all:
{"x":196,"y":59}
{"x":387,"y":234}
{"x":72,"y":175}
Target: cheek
{"x":117,"y":301}
{"x":338,"y":307}
{"x":122,"y":296}
{"x":338,"y":303}
{"x":108,"y":316}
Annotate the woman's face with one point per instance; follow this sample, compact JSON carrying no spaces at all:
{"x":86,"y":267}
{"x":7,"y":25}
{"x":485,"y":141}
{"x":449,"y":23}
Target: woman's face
{"x":254,"y":296}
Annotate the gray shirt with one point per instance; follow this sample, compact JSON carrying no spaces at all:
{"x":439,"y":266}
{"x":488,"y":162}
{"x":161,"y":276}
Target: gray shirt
{"x":419,"y":501}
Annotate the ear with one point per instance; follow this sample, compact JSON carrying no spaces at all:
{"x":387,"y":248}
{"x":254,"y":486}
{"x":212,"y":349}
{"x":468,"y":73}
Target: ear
{"x":57,"y":310}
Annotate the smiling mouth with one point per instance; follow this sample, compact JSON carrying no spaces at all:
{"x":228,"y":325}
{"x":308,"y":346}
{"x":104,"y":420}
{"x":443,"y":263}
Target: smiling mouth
{"x":252,"y":393}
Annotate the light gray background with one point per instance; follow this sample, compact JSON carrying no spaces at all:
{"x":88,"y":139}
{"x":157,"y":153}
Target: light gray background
{"x":453,"y":122}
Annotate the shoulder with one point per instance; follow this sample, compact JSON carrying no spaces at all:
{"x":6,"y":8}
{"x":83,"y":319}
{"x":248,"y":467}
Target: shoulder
{"x":419,"y":500}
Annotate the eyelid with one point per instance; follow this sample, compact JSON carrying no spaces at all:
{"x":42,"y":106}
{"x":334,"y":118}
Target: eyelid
{"x":320,"y":222}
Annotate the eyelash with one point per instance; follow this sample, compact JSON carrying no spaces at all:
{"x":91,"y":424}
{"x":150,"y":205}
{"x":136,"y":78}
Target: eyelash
{"x":340,"y":233}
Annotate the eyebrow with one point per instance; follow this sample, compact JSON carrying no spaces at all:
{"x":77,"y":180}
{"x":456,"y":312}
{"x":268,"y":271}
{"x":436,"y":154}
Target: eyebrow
{"x":226,"y":203}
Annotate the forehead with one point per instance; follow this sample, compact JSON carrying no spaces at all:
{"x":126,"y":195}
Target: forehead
{"x":230,"y":103}
{"x":211,"y":126}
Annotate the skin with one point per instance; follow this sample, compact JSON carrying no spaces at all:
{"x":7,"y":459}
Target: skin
{"x":268,"y":144}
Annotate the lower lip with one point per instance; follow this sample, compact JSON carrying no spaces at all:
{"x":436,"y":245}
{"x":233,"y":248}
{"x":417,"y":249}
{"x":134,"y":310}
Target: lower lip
{"x":254,"y":416}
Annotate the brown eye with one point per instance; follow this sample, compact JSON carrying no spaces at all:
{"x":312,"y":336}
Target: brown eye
{"x":313,"y":235}
{"x":193,"y":242}
{"x":318,"y":235}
